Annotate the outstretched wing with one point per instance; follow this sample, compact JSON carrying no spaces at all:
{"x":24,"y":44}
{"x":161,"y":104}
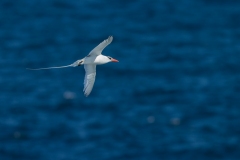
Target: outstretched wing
{"x":89,"y":79}
{"x":98,"y":50}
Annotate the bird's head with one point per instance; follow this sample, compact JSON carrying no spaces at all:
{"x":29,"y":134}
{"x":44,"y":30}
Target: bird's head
{"x":101,"y":59}
{"x":110,"y":59}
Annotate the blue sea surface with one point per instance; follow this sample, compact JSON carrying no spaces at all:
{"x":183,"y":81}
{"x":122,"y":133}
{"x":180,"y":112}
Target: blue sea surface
{"x":173,"y":95}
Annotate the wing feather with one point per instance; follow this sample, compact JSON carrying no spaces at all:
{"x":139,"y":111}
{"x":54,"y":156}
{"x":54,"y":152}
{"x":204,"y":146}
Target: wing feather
{"x":89,"y":79}
{"x":98,"y":50}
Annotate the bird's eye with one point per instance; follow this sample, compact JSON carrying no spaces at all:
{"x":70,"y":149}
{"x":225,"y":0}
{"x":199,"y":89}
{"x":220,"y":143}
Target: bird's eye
{"x":110,"y":58}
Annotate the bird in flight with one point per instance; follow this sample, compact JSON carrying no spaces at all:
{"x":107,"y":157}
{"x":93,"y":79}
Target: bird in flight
{"x":94,"y":58}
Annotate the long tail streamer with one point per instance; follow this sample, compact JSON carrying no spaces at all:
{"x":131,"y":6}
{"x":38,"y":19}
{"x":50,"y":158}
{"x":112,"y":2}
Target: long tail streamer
{"x":71,"y":65}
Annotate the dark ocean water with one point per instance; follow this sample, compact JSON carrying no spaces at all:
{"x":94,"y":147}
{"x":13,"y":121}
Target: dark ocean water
{"x":174,"y":94}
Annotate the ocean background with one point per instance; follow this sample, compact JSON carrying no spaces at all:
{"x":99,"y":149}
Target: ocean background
{"x":173,"y":95}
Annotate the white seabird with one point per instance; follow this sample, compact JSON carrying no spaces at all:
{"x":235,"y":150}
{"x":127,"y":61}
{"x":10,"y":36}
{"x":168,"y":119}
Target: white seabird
{"x":94,"y":58}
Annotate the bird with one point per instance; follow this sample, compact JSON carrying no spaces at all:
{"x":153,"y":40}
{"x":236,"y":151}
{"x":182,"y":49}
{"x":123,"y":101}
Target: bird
{"x":89,"y":62}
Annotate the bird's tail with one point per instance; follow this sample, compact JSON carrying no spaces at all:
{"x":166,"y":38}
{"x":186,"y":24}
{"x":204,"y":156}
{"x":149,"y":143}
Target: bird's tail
{"x":78,"y":63}
{"x":49,"y":67}
{"x":75,"y":64}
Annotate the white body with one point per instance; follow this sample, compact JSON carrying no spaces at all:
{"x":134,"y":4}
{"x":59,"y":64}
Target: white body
{"x":98,"y":60}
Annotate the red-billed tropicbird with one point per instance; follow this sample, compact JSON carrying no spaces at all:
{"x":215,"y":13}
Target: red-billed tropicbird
{"x":94,"y":58}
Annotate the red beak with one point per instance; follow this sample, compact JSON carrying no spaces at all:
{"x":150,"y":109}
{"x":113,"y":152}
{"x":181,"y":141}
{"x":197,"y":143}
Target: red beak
{"x":114,"y":60}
